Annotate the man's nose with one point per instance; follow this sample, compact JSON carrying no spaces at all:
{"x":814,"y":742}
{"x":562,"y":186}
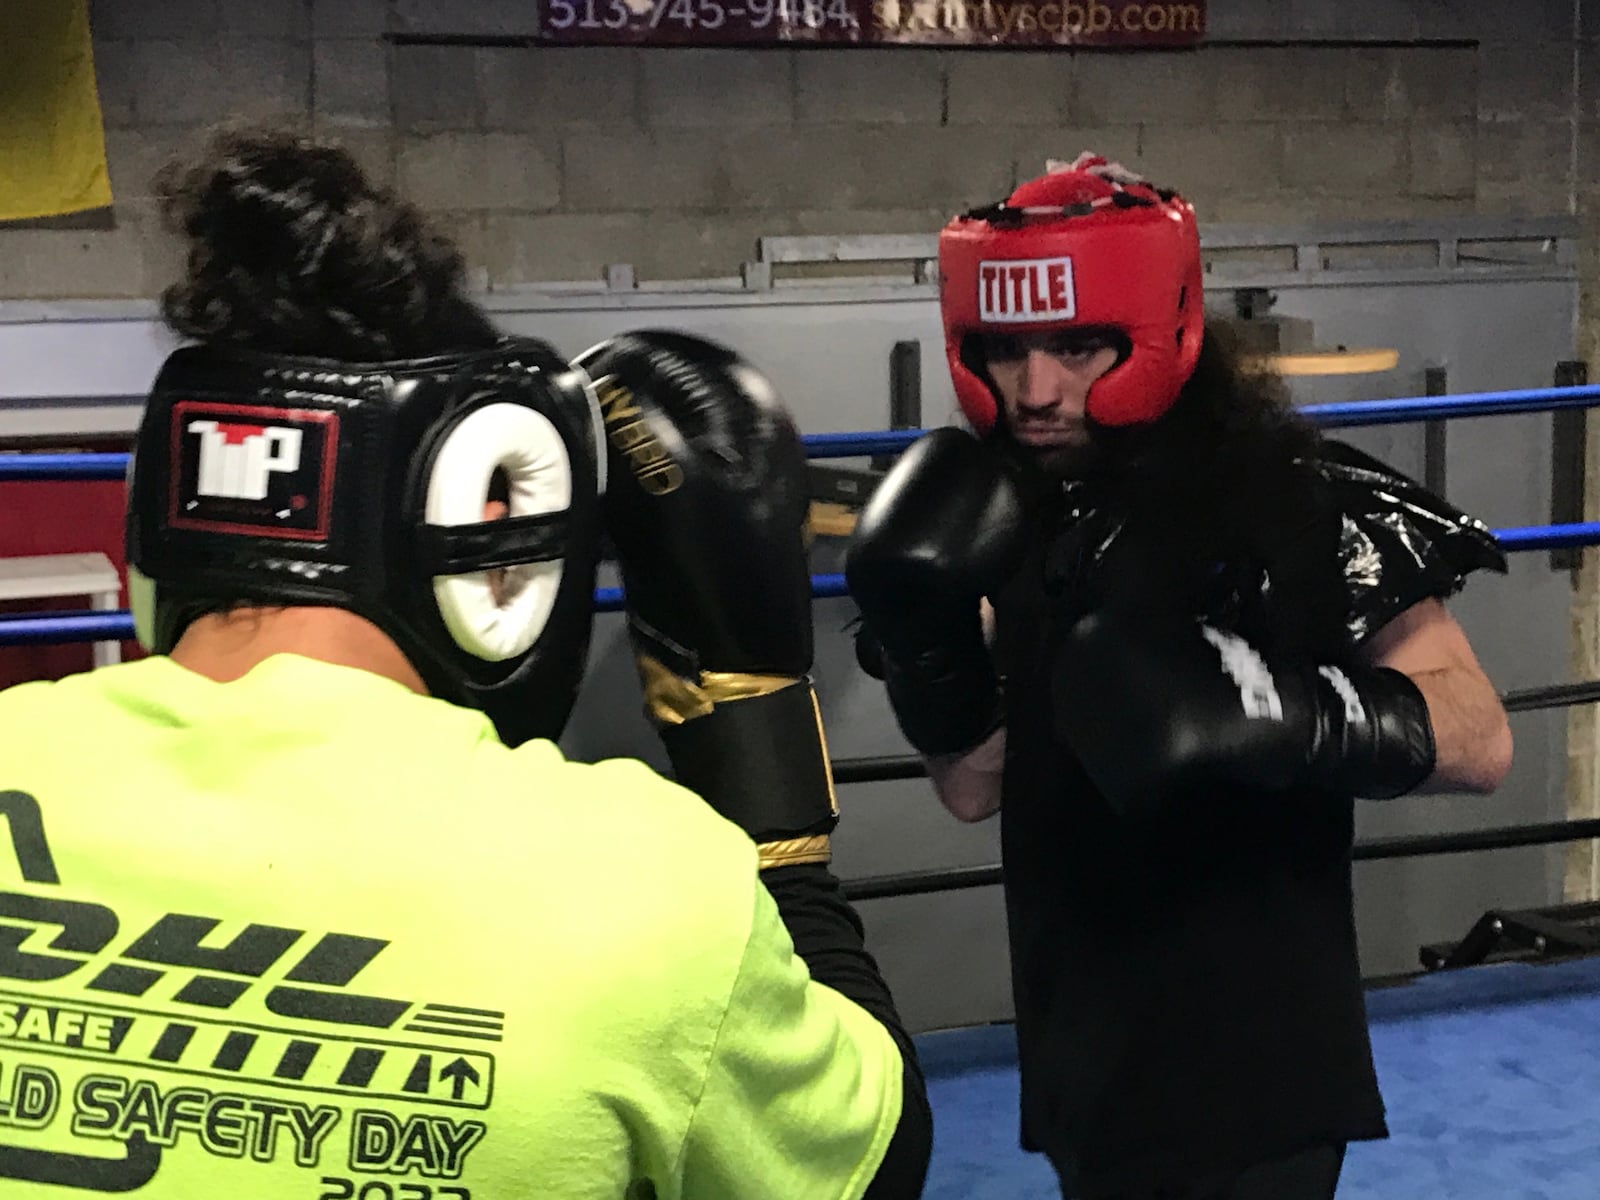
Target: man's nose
{"x":1046,"y":383}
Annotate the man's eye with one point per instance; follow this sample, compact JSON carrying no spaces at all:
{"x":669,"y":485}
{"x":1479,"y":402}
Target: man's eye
{"x":1077,"y":350}
{"x":999,"y":348}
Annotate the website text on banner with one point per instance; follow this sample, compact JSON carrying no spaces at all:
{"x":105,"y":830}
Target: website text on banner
{"x":975,"y":23}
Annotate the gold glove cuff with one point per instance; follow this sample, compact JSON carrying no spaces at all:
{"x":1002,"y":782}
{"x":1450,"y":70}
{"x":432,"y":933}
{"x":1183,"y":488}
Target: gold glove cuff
{"x":670,"y":699}
{"x":793,"y":851}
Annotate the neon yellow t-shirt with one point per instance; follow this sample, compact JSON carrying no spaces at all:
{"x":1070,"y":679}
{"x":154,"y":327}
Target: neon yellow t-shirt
{"x":308,"y":935}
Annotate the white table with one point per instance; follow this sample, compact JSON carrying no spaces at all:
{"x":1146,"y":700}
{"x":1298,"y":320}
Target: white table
{"x":37,"y":576}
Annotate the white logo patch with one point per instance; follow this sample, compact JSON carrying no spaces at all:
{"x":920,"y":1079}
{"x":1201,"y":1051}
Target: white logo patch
{"x":1258,"y":691}
{"x":1354,"y":711}
{"x":236,"y":460}
{"x":1026,"y":289}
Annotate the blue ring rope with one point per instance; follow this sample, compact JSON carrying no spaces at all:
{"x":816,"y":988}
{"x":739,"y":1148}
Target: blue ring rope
{"x":56,"y":467}
{"x":118,"y":625}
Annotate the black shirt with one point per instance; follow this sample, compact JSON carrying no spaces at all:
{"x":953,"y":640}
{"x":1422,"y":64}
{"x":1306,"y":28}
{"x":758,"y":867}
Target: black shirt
{"x":1188,"y":992}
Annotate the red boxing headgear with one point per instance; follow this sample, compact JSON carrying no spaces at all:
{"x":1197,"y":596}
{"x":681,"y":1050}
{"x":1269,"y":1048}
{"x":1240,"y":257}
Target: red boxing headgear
{"x":1086,"y":247}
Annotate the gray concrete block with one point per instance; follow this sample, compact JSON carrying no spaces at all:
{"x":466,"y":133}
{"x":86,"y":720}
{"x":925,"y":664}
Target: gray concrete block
{"x":1517,"y":198}
{"x":635,"y":172}
{"x":860,"y":221}
{"x":434,"y":88}
{"x":1589,"y":158}
{"x":349,"y":18}
{"x":373,"y":149}
{"x":884,"y":167}
{"x":487,"y":17}
{"x":114,"y":66}
{"x":717,"y":88}
{"x":1534,"y":154}
{"x":1439,"y":81}
{"x":1506,"y":20}
{"x":39,"y":264}
{"x":470,"y":172}
{"x":1354,"y":19}
{"x":1300,"y":207}
{"x":1550,"y":19}
{"x":1249,"y":19}
{"x":350,"y":83}
{"x":1411,"y":83}
{"x":134,"y":156}
{"x":1589,"y":80}
{"x":520,"y":248}
{"x":1279,"y":83}
{"x":1196,"y":159}
{"x":1334,"y":158}
{"x":215,"y":80}
{"x":1524,"y":81}
{"x":290,"y":19}
{"x":1017,"y":88}
{"x":536,"y":88}
{"x":1444,"y":159}
{"x":706,"y":245}
{"x":163,"y":255}
{"x":465,"y":231}
{"x":870,"y":86}
{"x":810,"y":167}
{"x":1123,"y":88}
{"x":1448,"y":19}
{"x":126,"y":19}
{"x":1254,"y":207}
{"x":578,"y":246}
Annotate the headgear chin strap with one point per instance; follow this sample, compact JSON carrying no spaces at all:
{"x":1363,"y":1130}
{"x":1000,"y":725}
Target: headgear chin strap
{"x":276,"y":480}
{"x":1090,"y":246}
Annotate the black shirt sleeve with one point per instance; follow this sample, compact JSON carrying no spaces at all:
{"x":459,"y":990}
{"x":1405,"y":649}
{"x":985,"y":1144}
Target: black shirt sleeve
{"x":829,"y":939}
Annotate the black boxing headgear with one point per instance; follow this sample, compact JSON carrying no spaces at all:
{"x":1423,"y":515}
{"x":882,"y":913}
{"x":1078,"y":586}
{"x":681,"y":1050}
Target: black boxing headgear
{"x":276,"y":480}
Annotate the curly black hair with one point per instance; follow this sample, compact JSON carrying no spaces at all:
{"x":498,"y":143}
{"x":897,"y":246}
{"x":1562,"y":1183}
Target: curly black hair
{"x":1231,"y":412}
{"x":293,"y":250}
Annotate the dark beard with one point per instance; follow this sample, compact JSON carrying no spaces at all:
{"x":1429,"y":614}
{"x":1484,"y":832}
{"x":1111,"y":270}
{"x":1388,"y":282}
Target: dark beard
{"x":1068,"y":462}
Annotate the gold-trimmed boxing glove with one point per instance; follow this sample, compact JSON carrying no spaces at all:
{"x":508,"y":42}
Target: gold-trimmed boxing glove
{"x":706,"y":506}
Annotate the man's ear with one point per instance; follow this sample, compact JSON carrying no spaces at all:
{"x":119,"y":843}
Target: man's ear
{"x":495,"y":510}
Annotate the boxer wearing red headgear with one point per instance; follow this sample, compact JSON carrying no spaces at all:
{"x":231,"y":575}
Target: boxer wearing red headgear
{"x":1088,"y":248}
{"x":1212,"y":632}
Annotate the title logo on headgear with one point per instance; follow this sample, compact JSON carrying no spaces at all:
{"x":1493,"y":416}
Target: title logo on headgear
{"x":1026,"y":289}
{"x":253,"y":470}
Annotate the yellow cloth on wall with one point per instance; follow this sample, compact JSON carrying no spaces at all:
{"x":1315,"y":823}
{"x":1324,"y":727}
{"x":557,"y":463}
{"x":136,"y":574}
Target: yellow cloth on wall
{"x":52,"y":146}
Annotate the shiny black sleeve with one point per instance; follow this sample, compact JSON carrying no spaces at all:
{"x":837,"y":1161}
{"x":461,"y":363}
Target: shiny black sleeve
{"x":1399,"y":543}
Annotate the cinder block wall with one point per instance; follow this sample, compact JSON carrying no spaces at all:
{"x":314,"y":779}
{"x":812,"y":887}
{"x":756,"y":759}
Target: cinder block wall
{"x":547,"y":164}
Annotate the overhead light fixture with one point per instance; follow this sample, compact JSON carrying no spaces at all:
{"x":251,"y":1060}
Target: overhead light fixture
{"x":1286,"y":344}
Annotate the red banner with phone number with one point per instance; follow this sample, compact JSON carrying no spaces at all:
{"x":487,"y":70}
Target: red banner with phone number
{"x":985,"y":23}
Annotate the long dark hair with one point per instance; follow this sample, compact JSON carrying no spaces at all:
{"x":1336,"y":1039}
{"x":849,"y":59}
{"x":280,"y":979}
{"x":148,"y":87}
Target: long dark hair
{"x":1232,"y":412}
{"x":292,"y":249}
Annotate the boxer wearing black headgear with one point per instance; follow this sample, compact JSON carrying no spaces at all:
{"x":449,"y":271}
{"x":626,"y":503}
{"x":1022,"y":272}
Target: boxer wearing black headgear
{"x":1211,"y":632}
{"x":321,"y":841}
{"x":289,"y":480}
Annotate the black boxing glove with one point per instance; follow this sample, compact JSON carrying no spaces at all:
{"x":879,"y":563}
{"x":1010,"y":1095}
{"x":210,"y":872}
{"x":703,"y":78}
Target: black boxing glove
{"x":943,"y":530}
{"x":706,"y":504}
{"x":1156,"y":710}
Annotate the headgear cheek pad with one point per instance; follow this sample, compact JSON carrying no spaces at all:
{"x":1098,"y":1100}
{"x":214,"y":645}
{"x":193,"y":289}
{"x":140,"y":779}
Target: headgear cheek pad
{"x":1078,"y":248}
{"x":275,"y":480}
